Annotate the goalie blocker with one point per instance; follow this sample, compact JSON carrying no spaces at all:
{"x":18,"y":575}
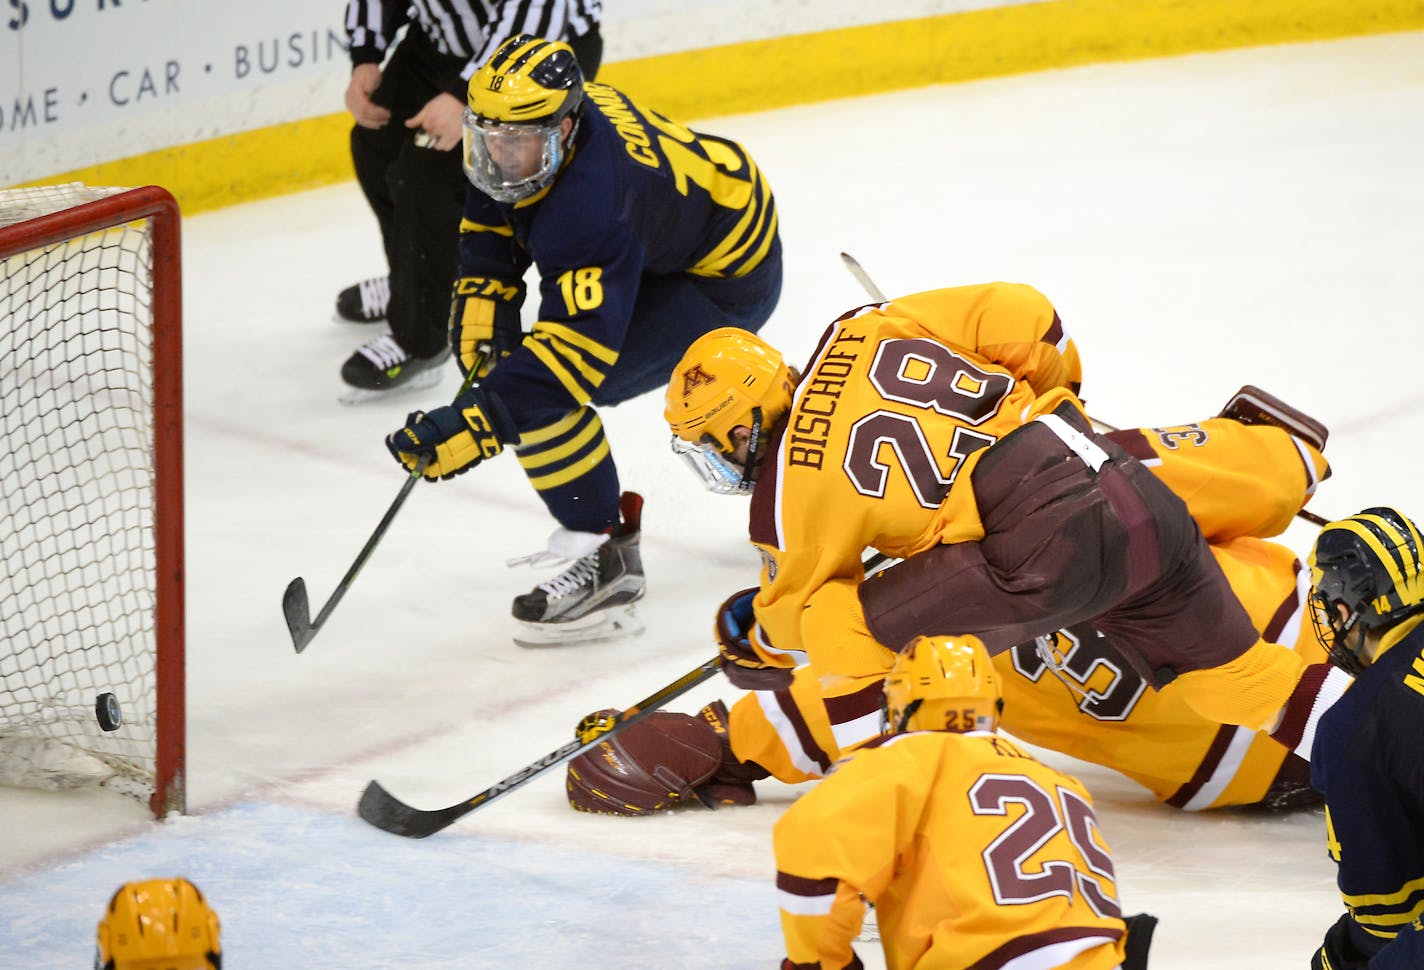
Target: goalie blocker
{"x":665,"y":761}
{"x":1251,"y":405}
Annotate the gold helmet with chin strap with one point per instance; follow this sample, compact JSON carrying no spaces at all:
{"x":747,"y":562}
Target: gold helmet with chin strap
{"x":516,"y":105}
{"x":728,"y":378}
{"x":159,"y":924}
{"x":945,"y":683}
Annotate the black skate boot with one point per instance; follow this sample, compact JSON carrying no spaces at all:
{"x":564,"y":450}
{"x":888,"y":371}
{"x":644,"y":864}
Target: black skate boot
{"x":364,"y":302}
{"x":381,"y":367}
{"x":593,"y":599}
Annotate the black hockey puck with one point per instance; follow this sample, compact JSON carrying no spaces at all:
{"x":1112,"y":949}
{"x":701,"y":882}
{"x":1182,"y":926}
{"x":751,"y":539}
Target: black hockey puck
{"x":107,"y":713}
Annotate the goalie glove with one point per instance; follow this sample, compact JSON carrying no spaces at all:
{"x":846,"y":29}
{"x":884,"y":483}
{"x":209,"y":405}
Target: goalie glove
{"x":484,"y":322}
{"x":746,"y":666}
{"x":456,"y":437}
{"x":661,"y":762}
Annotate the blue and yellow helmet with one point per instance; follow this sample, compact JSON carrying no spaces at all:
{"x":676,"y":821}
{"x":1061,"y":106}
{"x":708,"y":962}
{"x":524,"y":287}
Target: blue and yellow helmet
{"x":1366,"y":575}
{"x":515,"y":137}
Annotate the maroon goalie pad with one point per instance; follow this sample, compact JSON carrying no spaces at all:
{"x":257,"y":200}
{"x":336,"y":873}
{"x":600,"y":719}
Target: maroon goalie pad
{"x":1251,"y":405}
{"x":663,"y":761}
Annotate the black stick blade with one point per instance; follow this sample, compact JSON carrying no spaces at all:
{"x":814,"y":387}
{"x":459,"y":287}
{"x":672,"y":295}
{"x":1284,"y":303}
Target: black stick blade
{"x":298,"y":613}
{"x":389,"y":814}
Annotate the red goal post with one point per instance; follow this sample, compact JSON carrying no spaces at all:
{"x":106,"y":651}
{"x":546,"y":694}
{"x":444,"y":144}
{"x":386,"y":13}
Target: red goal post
{"x":91,"y":490}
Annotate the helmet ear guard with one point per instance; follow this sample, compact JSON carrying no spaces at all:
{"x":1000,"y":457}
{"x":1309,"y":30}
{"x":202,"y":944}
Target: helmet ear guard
{"x":1366,"y":576}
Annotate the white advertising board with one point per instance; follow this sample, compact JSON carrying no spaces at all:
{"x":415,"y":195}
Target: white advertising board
{"x":85,"y":81}
{"x":89,"y":81}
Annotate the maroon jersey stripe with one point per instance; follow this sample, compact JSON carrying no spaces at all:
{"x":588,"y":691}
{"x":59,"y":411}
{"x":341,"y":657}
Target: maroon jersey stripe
{"x":801,"y":886}
{"x":798,"y":723}
{"x":1208,"y":765}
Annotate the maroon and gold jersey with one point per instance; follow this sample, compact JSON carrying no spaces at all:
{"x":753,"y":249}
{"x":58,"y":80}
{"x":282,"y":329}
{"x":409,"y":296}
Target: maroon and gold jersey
{"x":973,"y":853}
{"x":1095,"y":707}
{"x":889,"y":418}
{"x":1239,"y":482}
{"x":1237,"y":479}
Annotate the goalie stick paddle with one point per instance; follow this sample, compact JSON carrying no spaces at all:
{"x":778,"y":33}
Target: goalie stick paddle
{"x":863,"y":278}
{"x":386,"y":812}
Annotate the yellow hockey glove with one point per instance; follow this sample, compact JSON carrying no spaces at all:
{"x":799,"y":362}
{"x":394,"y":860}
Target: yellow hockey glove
{"x":456,"y":437}
{"x":484,"y":321}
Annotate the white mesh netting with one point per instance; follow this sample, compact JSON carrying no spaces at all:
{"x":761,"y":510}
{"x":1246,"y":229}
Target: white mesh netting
{"x":77,"y":573}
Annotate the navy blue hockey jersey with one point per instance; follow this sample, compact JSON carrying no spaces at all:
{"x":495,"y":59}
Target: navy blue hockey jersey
{"x":1369,"y":765}
{"x":639,"y":194}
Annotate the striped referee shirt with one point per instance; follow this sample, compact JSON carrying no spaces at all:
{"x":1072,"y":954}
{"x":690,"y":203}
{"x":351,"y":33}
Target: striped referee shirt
{"x":471,"y":29}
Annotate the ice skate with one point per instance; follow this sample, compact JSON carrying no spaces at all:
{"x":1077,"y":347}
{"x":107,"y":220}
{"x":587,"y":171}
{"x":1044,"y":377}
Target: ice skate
{"x":364,"y":302}
{"x":381,"y":368}
{"x":592,"y":600}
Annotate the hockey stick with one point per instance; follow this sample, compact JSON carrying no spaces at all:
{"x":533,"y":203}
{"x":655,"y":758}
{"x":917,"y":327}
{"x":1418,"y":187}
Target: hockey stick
{"x":294,"y":601}
{"x":385,"y":811}
{"x":877,"y":294}
{"x":295,"y":606}
{"x":863,"y":278}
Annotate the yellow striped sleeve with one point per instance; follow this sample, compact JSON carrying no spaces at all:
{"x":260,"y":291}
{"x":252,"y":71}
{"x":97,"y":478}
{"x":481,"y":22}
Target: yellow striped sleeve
{"x":469,"y":225}
{"x":591,"y":375}
{"x":740,"y":238}
{"x":577,"y":390}
{"x":574,"y":338}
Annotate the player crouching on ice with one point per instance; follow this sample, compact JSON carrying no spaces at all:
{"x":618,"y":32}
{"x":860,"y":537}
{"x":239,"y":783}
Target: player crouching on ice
{"x":635,"y":262}
{"x":844,"y":843}
{"x":915,"y":825}
{"x":1367,"y":590}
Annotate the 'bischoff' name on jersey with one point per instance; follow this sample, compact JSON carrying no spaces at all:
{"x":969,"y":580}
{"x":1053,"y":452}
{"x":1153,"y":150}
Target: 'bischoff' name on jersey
{"x":811,"y":420}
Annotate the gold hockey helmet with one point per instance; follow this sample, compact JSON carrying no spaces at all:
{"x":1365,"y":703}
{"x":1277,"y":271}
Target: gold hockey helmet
{"x":943,"y":684}
{"x":1369,"y":564}
{"x":727,"y":378}
{"x":159,"y":924}
{"x":514,"y":140}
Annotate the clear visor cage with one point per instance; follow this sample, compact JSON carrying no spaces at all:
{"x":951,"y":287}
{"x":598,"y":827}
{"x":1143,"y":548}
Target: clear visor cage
{"x":509,"y":162}
{"x":714,"y":468}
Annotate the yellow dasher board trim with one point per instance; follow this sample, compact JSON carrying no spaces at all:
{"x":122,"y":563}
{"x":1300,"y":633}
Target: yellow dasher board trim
{"x":777,"y":72}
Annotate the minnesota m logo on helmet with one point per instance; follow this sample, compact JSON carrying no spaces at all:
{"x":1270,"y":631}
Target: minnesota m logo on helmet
{"x":694,"y":377}
{"x":726,"y":375}
{"x":729,"y":378}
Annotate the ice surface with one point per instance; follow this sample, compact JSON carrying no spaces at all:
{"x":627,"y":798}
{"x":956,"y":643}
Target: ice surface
{"x":1201,"y":223}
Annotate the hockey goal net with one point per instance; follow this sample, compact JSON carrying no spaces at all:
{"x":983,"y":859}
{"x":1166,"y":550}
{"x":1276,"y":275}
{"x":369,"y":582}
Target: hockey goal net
{"x":91,"y":491}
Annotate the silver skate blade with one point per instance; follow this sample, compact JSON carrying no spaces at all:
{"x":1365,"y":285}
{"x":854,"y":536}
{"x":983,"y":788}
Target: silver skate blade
{"x":347,"y":322}
{"x":614,"y":623}
{"x":422,"y":381}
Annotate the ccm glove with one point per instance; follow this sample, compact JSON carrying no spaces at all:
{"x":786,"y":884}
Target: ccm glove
{"x":484,"y":322}
{"x":456,"y":437}
{"x":745,"y":666}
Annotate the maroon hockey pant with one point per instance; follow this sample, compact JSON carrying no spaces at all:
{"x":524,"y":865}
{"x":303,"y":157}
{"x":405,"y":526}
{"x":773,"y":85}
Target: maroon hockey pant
{"x":1066,"y":543}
